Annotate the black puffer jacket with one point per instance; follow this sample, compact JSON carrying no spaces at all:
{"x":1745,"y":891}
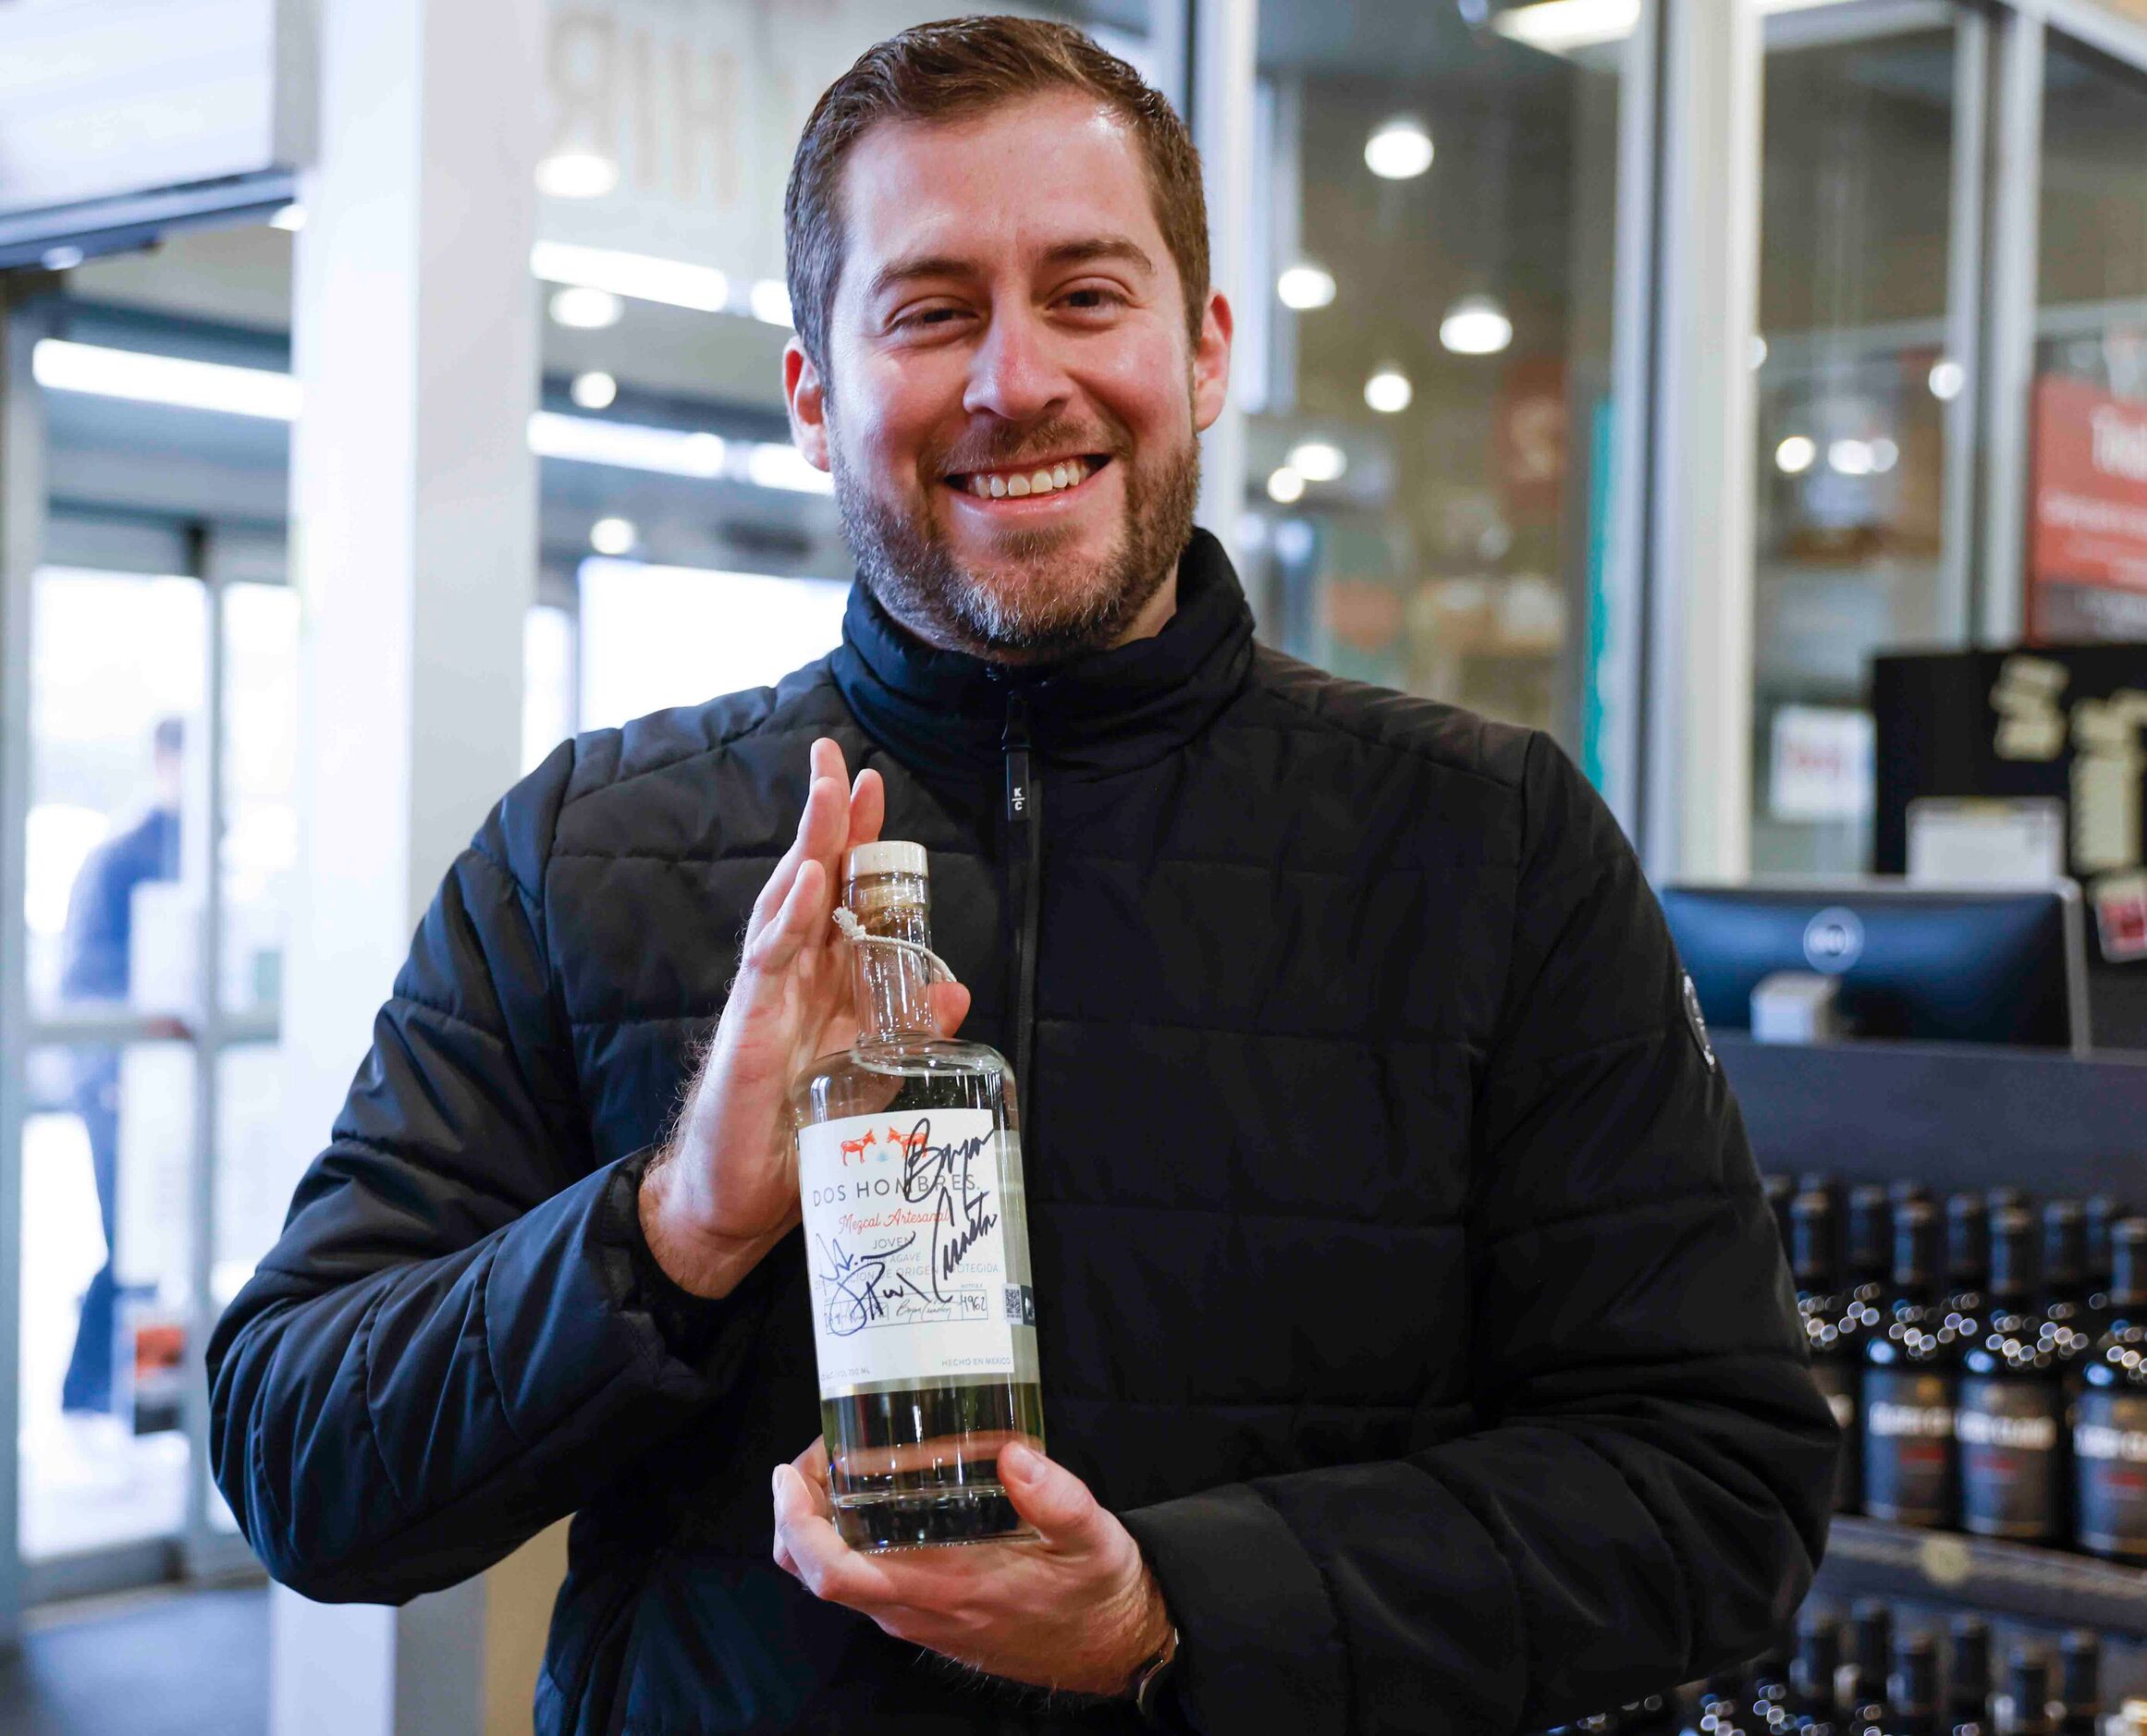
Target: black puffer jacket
{"x":1402,"y":1277}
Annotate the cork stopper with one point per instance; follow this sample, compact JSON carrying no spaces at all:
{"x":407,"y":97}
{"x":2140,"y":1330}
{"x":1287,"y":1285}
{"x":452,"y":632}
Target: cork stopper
{"x":889,"y":856}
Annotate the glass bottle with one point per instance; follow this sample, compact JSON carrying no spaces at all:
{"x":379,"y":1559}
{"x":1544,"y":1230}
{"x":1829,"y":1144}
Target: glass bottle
{"x":1912,"y":1687}
{"x":2011,"y":1418}
{"x":1815,"y":1676}
{"x":916,"y":1242}
{"x":2109,"y":1433}
{"x":2079,"y":1690}
{"x":1968,"y":1676}
{"x":1911,"y":1363}
{"x":1830,"y":1329}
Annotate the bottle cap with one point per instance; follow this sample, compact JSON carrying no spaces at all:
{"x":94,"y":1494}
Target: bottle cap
{"x":2063,"y":1245}
{"x":1968,"y":1240}
{"x":1915,"y":1243}
{"x":2011,"y":1231}
{"x":889,"y":856}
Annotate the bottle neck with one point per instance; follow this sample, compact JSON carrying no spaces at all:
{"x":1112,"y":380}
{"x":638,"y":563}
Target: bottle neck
{"x":891,"y":986}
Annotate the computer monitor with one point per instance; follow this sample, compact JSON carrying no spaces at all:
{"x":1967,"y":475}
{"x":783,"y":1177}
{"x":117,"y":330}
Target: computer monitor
{"x":1968,"y":964}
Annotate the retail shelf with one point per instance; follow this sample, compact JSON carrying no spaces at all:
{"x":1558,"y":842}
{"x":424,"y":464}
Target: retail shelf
{"x":1868,"y":1558}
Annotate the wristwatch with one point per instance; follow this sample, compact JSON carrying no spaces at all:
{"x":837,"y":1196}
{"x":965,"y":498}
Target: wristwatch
{"x":1149,"y":1678}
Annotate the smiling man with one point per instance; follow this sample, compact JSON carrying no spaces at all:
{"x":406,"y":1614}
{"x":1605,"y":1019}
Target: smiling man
{"x":1416,"y":1350}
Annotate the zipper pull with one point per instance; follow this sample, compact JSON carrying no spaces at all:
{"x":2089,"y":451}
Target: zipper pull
{"x":1014,"y":743}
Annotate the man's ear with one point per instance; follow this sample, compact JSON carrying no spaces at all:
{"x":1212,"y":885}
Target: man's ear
{"x":807,"y":399}
{"x":1211,"y":361}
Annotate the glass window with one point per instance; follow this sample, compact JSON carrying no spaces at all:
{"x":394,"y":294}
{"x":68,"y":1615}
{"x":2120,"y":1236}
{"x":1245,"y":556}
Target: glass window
{"x":549,"y":702}
{"x":105,"y":1255}
{"x":1426,"y":359}
{"x":1853,"y":384}
{"x":116,"y":699}
{"x":260,"y":847}
{"x":2087,"y":529}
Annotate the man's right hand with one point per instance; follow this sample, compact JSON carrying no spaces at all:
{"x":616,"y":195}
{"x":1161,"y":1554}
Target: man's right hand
{"x":726,"y":1188}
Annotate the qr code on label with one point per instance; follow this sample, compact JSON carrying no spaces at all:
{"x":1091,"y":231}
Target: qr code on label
{"x":1021,"y":1305}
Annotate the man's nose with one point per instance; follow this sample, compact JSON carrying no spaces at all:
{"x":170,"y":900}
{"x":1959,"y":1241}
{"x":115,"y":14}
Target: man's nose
{"x":1015,"y":372}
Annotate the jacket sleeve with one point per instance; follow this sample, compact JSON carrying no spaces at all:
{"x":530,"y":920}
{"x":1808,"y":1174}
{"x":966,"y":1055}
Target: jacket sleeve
{"x":453,"y":1344}
{"x":1647,"y":1496}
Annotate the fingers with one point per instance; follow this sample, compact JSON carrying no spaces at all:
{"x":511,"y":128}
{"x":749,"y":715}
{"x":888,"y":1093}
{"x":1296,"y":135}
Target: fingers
{"x":949,"y":1006}
{"x":797,"y":922}
{"x":868,"y":809}
{"x":812,"y":1464}
{"x":1049,"y":1497}
{"x":808,"y":1547}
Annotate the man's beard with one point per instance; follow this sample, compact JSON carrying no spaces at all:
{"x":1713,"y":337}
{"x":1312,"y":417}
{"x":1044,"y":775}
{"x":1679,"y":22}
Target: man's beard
{"x":1049,"y":605}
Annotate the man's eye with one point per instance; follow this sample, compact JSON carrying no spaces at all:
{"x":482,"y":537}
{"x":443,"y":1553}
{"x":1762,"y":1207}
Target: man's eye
{"x":928,"y":316}
{"x":1088,"y":300}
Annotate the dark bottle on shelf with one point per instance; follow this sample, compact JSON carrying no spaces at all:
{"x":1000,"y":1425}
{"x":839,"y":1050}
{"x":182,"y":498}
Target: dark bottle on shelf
{"x":2068,"y":1317}
{"x":1998,"y":1199}
{"x":2027,"y":1705}
{"x":2079,"y":1685}
{"x":1871,"y":1243}
{"x":2100,"y":1214}
{"x":1967,"y":1246}
{"x":1814,"y":1704}
{"x":1968,"y":1676}
{"x":1781,"y":1190}
{"x":2010,"y":1422}
{"x":1911,"y":1364}
{"x":2109,"y":1430}
{"x":1830,"y":1329}
{"x":1912,"y":1687}
{"x":1870,"y":1647}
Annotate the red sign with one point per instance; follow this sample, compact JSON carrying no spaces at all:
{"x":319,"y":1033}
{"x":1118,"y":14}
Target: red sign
{"x":2087,"y":529}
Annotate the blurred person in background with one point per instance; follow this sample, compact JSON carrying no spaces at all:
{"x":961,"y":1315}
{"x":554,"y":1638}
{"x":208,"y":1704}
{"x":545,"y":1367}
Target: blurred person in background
{"x":95,"y":968}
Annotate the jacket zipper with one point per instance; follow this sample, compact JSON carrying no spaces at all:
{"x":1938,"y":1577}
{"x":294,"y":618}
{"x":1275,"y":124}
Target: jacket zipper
{"x":1024,"y":818}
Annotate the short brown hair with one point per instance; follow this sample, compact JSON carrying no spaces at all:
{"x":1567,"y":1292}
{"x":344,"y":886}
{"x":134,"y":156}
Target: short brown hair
{"x":955,"y":70}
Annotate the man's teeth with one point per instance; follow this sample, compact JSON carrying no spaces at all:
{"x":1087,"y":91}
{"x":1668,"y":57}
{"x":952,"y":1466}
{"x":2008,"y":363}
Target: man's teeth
{"x":997,"y":486}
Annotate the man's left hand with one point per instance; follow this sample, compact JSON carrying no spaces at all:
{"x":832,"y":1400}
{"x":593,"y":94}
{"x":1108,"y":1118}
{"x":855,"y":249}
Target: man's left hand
{"x":1076,"y":1608}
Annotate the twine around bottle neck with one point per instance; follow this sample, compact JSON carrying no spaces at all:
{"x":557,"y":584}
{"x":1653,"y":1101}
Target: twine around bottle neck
{"x":853,"y":931}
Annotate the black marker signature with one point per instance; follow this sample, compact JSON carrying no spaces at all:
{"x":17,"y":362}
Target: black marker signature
{"x":942,"y":1173}
{"x":853,"y":1301}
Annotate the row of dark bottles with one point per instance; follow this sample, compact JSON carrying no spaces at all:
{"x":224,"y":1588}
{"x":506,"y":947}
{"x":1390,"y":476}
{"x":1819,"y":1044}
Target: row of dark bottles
{"x":1988,"y":1363}
{"x":1864,"y":1677}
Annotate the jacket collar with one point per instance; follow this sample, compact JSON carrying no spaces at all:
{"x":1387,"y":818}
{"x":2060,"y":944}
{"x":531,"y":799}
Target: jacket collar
{"x":946,"y":711}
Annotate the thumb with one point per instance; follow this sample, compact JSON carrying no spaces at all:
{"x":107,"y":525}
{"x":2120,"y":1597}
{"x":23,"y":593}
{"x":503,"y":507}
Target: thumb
{"x":1048,"y":1495}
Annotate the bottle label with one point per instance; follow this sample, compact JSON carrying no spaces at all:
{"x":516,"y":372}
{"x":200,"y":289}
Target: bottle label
{"x":2109,"y":1444}
{"x":2009,"y":1432}
{"x":1908,"y":1446}
{"x":905,"y":1243}
{"x":1837,"y":1381}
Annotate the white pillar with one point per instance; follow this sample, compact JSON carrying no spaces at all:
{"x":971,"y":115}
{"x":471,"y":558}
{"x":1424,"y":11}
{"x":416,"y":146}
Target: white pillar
{"x":1226,"y":34}
{"x":413,"y":506}
{"x":1696,"y":814}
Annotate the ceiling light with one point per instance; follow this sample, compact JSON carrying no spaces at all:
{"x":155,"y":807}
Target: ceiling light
{"x":1389,"y":391}
{"x":1305,"y":288}
{"x":626,"y":445}
{"x":1851,"y":458}
{"x":1795,"y":454}
{"x":1399,"y":150}
{"x":291,"y":218}
{"x":64,"y":257}
{"x":1476,"y":325}
{"x":641,"y":277}
{"x":1559,"y":27}
{"x":587,"y":310}
{"x":64,"y":366}
{"x":1318,"y":460}
{"x":773,"y":464}
{"x":1758,"y":352}
{"x":1947,"y":378}
{"x":594,"y":390}
{"x":1285,"y":487}
{"x":576,"y":174}
{"x":613,"y":536}
{"x":770,"y":301}
{"x":1885,"y":455}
